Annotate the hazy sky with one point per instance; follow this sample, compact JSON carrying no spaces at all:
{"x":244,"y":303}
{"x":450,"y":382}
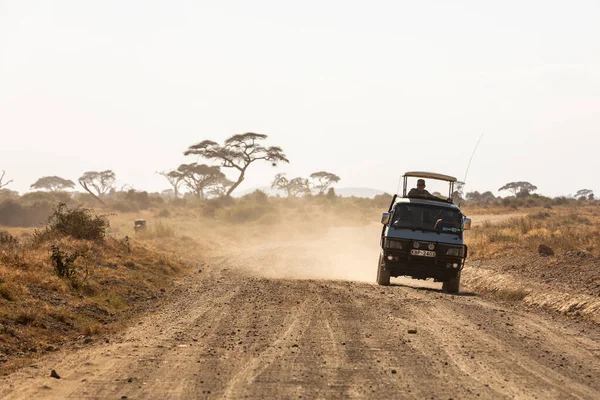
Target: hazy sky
{"x":366,"y":90}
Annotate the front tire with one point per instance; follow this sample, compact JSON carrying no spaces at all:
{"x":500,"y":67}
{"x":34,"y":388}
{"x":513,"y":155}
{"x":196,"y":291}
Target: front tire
{"x":452,"y":285}
{"x":383,"y":276}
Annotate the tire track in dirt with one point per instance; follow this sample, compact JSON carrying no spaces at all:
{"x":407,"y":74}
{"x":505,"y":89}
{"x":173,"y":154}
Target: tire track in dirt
{"x":230,"y":333}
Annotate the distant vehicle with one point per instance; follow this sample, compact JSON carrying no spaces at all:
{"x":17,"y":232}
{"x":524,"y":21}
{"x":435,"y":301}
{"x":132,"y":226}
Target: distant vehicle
{"x":139,"y":225}
{"x":422,"y":237}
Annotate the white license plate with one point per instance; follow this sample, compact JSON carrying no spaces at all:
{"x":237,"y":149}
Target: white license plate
{"x":422,"y":253}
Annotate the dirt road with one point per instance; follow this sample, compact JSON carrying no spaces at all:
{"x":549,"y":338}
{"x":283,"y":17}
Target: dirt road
{"x":294,"y":319}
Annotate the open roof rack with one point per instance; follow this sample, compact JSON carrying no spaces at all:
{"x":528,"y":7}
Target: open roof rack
{"x":430,"y":175}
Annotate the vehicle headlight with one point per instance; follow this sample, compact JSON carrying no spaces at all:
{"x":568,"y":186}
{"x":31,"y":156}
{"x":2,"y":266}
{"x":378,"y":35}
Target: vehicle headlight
{"x":393,"y":244}
{"x":456,"y":251}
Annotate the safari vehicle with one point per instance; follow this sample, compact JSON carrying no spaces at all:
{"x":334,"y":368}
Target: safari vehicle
{"x":423,"y":237}
{"x":139,"y":225}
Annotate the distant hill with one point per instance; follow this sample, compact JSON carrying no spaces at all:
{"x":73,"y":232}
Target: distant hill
{"x":344,"y":192}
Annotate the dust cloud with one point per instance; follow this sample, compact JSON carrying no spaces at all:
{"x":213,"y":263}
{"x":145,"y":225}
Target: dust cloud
{"x":339,"y":253}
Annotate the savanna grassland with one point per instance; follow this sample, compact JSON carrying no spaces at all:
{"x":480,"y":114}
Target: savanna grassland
{"x":281,"y":285}
{"x":116,"y":273}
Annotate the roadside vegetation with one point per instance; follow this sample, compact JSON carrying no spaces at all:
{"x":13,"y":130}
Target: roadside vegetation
{"x":562,"y":229}
{"x":72,"y":280}
{"x":73,"y":268}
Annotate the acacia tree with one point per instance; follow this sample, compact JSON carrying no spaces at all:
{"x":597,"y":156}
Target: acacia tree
{"x":238,"y":152}
{"x":293,"y":187}
{"x":101,"y":182}
{"x":3,"y":184}
{"x":585,"y":193}
{"x":324,"y":180}
{"x":480,"y":198}
{"x":175,"y":178}
{"x":519,"y":188}
{"x":459,"y":188}
{"x":53,"y":183}
{"x":220,"y":187}
{"x":199,"y":177}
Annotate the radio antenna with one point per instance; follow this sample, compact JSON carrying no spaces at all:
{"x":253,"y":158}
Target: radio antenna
{"x":471,"y":159}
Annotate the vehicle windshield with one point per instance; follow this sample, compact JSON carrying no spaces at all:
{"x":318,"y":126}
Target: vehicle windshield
{"x":427,"y":218}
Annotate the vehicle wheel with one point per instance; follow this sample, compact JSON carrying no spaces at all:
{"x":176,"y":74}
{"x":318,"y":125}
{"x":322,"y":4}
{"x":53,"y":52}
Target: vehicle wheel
{"x":452,"y":285}
{"x":383,"y":276}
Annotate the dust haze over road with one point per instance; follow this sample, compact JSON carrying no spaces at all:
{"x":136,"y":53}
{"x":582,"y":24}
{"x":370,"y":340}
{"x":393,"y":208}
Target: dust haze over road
{"x":301,"y":317}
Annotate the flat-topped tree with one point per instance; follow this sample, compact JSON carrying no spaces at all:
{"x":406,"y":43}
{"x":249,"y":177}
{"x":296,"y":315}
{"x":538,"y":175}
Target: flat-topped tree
{"x":324,"y":180}
{"x":519,"y":188}
{"x":3,"y":184}
{"x":53,"y":183}
{"x":293,"y":187}
{"x":175,"y":178}
{"x":585,"y":193}
{"x":200,"y":177}
{"x":101,"y":182}
{"x":238,"y":152}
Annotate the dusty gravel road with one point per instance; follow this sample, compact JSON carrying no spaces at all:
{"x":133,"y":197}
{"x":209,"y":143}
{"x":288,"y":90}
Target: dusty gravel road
{"x":301,"y":319}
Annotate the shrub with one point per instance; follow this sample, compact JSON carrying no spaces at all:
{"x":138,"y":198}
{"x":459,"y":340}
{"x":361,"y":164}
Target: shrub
{"x":245,"y":212}
{"x":6,"y":239}
{"x":45,"y":197}
{"x":210,"y":206}
{"x":540,"y":215}
{"x":13,"y":213}
{"x":258,"y":197}
{"x":161,"y":230}
{"x":78,"y":223}
{"x":124,"y":207}
{"x":157,"y":230}
{"x":64,"y":263}
{"x":164,"y":213}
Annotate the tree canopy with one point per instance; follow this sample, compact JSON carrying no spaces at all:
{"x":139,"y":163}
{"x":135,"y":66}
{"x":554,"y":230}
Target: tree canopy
{"x":324,"y":180}
{"x":175,"y":178}
{"x":199,"y":177}
{"x":238,"y":152}
{"x":459,"y":188}
{"x":481,"y":198}
{"x":292,"y":187}
{"x":585,"y":193}
{"x":519,"y":188}
{"x":53,"y":183}
{"x":101,"y":182}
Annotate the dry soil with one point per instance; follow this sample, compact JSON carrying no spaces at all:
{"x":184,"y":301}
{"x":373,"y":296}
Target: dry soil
{"x":302,"y":319}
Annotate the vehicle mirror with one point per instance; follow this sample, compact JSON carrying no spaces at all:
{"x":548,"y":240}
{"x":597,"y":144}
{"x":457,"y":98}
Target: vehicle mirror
{"x":385,"y":218}
{"x":467,"y":224}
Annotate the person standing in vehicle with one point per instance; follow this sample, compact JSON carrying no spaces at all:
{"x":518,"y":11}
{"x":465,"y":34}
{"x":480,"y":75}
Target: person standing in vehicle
{"x":420,"y":191}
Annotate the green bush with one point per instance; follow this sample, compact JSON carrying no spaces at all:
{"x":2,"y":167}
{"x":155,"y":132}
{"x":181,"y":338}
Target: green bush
{"x":78,"y":223}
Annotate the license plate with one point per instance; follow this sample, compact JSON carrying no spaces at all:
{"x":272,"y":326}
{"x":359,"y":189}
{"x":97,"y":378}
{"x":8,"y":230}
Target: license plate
{"x":422,"y":253}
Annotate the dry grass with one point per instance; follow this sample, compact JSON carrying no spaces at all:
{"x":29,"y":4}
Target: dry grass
{"x":509,"y":294}
{"x":563,"y":229}
{"x":40,"y":310}
{"x":117,"y":275}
